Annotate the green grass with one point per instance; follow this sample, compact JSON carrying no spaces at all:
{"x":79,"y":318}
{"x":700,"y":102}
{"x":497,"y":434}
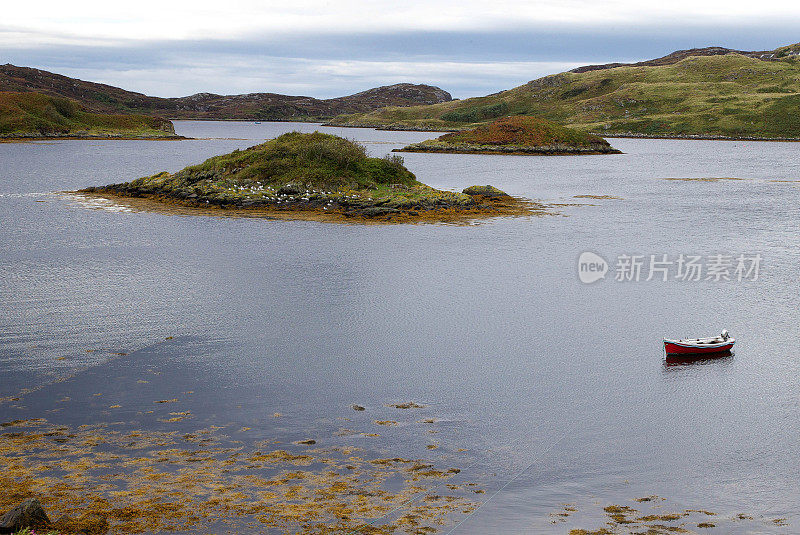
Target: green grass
{"x":35,"y":114}
{"x":308,"y":161}
{"x":729,"y":95}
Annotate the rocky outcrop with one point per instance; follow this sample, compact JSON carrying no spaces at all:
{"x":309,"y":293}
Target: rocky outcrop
{"x":485,"y":191}
{"x":28,"y":514}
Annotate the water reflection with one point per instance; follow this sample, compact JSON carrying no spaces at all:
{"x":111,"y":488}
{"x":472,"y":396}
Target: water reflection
{"x":698,"y":360}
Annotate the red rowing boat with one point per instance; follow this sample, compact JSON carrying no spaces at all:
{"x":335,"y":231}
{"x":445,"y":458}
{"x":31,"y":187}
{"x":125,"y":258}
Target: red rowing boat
{"x":700,"y":346}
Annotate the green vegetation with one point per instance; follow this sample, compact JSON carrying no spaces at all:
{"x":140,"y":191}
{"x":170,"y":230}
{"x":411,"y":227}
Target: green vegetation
{"x":476,"y":114}
{"x":726,"y":96}
{"x":517,"y":135}
{"x":293,"y":163}
{"x":318,"y":173}
{"x":24,"y":115}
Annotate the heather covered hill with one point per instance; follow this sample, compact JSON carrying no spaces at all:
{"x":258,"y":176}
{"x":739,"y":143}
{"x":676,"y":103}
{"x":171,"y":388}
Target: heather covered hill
{"x":705,"y":93}
{"x":104,"y":98}
{"x":33,"y":115}
{"x":517,"y":135}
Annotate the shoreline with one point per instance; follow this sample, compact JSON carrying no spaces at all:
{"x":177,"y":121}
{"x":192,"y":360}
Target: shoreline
{"x":362,"y":210}
{"x":390,"y":128}
{"x":68,"y":137}
{"x":697,"y":137}
{"x":507,"y":151}
{"x":630,"y":135}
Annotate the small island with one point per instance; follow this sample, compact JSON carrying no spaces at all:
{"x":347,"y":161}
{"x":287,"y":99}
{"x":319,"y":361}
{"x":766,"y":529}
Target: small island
{"x":313,"y":176}
{"x":31,"y":116}
{"x":516,"y":135}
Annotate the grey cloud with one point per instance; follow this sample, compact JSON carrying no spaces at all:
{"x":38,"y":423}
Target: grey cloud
{"x":300,"y":63}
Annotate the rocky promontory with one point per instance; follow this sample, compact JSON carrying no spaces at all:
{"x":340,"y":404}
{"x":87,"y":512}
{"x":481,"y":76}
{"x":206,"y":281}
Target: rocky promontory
{"x":516,"y":135}
{"x":312,"y":176}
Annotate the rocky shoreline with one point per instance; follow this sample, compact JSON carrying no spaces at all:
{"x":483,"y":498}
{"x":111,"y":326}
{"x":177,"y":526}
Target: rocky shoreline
{"x":409,"y":205}
{"x":519,"y":150}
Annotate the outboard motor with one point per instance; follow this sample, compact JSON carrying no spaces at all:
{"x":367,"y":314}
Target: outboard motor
{"x":724,"y":334}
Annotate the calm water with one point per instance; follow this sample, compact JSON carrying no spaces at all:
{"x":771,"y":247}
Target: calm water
{"x":487,"y":325}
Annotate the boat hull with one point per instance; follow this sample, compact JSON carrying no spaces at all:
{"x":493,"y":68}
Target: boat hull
{"x":676,"y":348}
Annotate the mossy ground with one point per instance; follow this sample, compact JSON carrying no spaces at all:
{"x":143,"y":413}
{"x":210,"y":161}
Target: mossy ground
{"x":727,"y":96}
{"x":311,"y":176}
{"x":34,"y":115}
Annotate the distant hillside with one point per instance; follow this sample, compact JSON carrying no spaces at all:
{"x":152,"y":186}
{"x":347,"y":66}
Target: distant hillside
{"x":103,"y":98}
{"x":36,"y":115}
{"x":707,"y":92}
{"x":675,"y":57}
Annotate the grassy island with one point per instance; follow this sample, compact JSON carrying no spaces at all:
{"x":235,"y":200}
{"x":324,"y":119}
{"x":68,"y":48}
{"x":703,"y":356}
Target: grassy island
{"x":314,"y":176}
{"x":38,"y":116}
{"x":516,"y":135}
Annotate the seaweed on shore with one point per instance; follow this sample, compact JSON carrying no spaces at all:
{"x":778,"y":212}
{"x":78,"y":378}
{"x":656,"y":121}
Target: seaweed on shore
{"x":147,"y":481}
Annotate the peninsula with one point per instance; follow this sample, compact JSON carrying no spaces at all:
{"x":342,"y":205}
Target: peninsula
{"x":315,"y":177}
{"x":39,"y":116}
{"x":516,"y":135}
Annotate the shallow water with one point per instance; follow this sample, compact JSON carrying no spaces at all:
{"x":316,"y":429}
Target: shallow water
{"x":557,"y":388}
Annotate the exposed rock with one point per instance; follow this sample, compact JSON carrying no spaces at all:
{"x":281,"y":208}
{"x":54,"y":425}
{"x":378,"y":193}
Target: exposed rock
{"x":28,"y":514}
{"x":291,"y":189}
{"x":410,"y":404}
{"x":485,"y":191}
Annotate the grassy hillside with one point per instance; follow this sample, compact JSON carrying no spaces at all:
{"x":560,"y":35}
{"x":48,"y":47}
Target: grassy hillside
{"x":517,"y":135}
{"x":37,"y":115}
{"x":725,"y":95}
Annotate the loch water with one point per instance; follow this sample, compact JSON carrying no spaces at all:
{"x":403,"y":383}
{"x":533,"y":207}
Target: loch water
{"x":557,"y":389}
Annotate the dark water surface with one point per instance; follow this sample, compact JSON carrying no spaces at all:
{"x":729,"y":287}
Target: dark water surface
{"x":557,"y":388}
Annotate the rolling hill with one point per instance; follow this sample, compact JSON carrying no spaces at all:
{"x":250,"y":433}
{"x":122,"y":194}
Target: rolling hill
{"x":711,"y":92}
{"x":102,"y":98}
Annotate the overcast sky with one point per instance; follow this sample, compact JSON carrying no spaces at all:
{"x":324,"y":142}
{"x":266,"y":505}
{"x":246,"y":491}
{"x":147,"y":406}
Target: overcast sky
{"x":333,"y":48}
